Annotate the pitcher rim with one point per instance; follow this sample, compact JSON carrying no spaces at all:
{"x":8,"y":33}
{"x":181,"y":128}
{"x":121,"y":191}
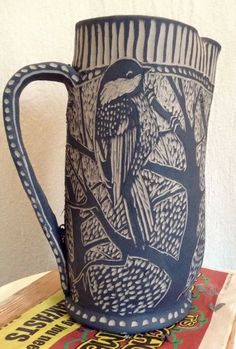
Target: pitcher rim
{"x":157,"y":18}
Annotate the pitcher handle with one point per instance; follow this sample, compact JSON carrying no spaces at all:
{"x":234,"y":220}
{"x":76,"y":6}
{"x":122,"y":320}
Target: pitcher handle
{"x":52,"y":71}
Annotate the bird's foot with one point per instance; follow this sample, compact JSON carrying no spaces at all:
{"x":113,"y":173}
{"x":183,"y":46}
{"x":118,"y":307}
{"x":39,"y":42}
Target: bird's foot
{"x":174,"y":123}
{"x":141,"y":246}
{"x":150,"y":95}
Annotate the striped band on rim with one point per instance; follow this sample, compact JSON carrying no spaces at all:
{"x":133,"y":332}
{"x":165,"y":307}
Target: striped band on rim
{"x":99,"y":42}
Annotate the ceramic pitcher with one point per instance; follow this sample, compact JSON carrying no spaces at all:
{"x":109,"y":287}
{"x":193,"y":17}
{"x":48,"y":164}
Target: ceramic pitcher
{"x":139,"y":96}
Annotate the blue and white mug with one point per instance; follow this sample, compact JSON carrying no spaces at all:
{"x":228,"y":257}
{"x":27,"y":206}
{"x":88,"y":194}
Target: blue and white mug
{"x":140,"y":90}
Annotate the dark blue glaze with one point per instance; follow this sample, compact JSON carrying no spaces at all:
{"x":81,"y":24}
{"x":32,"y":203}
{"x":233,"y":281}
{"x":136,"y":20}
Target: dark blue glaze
{"x":140,"y":92}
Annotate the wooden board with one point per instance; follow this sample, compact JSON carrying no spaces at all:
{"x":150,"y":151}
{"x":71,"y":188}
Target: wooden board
{"x":23,"y":300}
{"x":232,"y":339}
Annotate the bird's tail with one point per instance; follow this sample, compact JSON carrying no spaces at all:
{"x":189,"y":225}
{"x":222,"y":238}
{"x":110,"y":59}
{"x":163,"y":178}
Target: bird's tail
{"x":140,"y":213}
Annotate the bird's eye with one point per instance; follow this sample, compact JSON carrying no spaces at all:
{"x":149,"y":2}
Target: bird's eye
{"x":129,"y":74}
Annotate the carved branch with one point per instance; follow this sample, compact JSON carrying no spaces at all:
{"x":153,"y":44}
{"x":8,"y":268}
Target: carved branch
{"x":82,"y":184}
{"x":165,"y":114}
{"x":200,"y":141}
{"x":110,"y":262}
{"x":80,"y":147}
{"x":161,"y":260}
{"x":195,"y":106}
{"x":175,"y":90}
{"x":80,"y":206}
{"x":181,"y":87}
{"x":94,"y":243}
{"x":167,"y":195}
{"x":181,"y":100}
{"x":204,"y":121}
{"x":166,"y":171}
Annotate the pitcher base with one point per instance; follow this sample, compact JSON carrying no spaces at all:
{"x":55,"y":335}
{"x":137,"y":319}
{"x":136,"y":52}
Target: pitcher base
{"x":130,"y":324}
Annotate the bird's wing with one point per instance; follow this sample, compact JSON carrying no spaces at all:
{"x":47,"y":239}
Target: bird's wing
{"x":122,"y":152}
{"x":115,"y":153}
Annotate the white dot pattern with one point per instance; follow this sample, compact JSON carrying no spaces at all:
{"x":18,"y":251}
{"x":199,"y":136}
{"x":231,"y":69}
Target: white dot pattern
{"x":128,"y":325}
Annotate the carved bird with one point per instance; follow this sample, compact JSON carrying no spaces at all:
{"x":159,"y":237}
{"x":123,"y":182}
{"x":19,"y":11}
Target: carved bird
{"x":126,"y":132}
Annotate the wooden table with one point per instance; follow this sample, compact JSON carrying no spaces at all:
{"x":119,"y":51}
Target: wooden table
{"x":43,"y":288}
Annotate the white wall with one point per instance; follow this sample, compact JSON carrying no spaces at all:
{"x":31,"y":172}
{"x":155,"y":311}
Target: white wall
{"x":34,"y":31}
